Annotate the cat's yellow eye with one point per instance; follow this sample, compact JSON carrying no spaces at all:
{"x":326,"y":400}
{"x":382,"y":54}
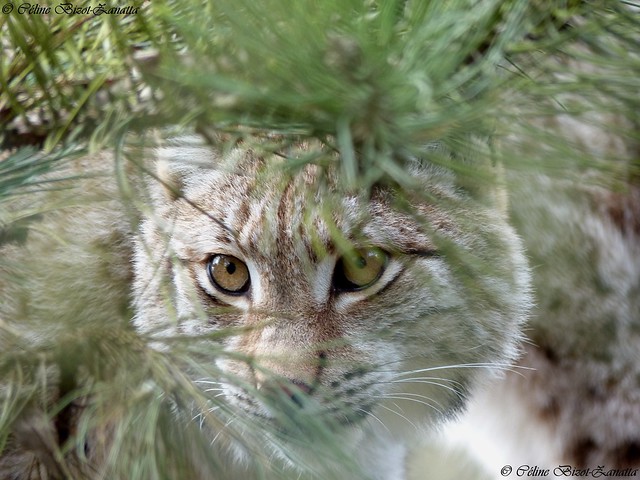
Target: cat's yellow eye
{"x":228,"y":274}
{"x":360,"y":268}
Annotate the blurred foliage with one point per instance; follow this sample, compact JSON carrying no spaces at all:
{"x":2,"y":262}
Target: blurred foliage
{"x":375,"y":80}
{"x":377,"y":77}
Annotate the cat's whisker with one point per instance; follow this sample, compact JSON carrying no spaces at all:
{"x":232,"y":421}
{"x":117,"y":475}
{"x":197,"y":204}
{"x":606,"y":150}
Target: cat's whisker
{"x":229,"y":422}
{"x":519,"y":370}
{"x":199,"y":417}
{"x":216,"y":385}
{"x":421,"y":379}
{"x":508,"y":367}
{"x":427,"y":381}
{"x":413,"y":394}
{"x":209,"y":390}
{"x":442,"y":367}
{"x":372,"y":415}
{"x":407,"y":396}
{"x":399,"y":414}
{"x":207,"y":382}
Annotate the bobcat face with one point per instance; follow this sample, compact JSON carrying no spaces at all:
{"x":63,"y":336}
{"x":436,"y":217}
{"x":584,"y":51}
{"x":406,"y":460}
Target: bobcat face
{"x":351,"y":307}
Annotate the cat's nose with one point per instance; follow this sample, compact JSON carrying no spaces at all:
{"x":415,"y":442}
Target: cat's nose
{"x":294,"y":390}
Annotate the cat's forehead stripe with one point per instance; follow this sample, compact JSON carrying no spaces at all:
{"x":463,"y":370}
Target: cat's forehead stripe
{"x":284,"y":214}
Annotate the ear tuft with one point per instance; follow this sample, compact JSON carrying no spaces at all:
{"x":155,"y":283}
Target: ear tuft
{"x":171,"y":181}
{"x":178,"y":159}
{"x":481,"y":173}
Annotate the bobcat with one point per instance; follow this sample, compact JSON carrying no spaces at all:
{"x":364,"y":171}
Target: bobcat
{"x":370,"y":314}
{"x":375,"y":328}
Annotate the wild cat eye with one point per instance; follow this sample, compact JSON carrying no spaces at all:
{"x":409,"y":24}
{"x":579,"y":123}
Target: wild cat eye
{"x":359,"y":269}
{"x":228,"y":274}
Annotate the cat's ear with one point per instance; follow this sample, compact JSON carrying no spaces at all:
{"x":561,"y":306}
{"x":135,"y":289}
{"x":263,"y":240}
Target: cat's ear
{"x":485,"y":182}
{"x":180,"y":159}
{"x":479,"y":172}
{"x":470,"y":168}
{"x":171,"y":182}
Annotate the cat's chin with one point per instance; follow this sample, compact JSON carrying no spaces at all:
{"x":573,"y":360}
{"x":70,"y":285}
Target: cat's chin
{"x":301,"y":415}
{"x":318,"y":443}
{"x":304,"y":442}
